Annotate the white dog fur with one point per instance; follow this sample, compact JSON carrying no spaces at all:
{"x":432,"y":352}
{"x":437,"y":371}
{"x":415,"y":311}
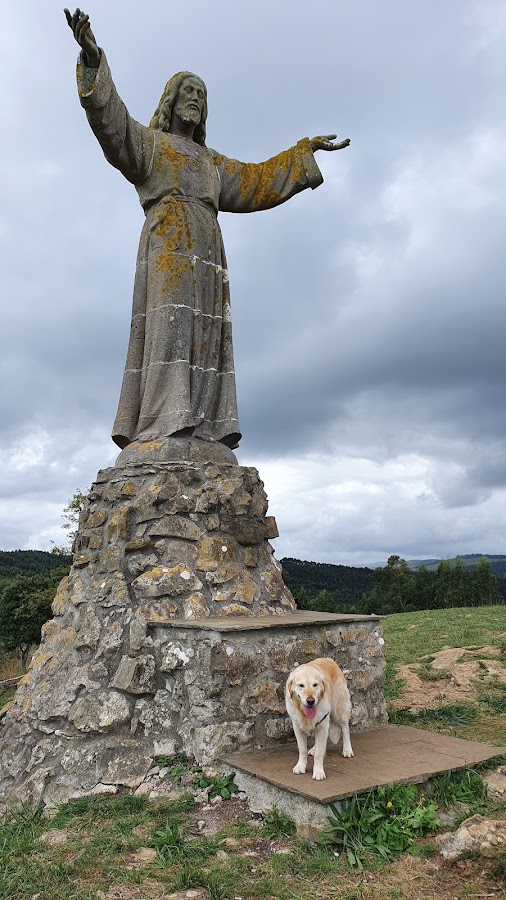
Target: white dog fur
{"x":319,"y":685}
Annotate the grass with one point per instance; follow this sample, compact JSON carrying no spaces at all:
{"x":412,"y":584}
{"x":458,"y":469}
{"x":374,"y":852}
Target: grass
{"x":414,"y":638}
{"x":409,"y":636}
{"x":103,"y":832}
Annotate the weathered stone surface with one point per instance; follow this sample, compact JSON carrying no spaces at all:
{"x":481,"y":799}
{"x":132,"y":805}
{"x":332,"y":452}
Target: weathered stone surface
{"x":496,"y":783}
{"x":100,"y":712}
{"x":136,"y":676}
{"x":163,"y":582}
{"x":265,"y":697}
{"x":477,"y":834}
{"x":108,"y":688}
{"x":215,"y":552}
{"x":177,"y":527}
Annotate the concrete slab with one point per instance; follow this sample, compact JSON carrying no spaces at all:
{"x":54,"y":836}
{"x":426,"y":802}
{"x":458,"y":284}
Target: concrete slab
{"x":390,"y":755}
{"x":258,"y":623}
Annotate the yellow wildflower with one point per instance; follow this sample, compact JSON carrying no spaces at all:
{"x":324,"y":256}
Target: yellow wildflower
{"x":389,"y":804}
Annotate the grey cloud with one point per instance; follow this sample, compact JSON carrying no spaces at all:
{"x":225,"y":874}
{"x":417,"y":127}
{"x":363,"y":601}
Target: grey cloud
{"x":368,"y":315}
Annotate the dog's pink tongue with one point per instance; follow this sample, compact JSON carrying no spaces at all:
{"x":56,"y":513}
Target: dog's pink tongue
{"x":310,"y":712}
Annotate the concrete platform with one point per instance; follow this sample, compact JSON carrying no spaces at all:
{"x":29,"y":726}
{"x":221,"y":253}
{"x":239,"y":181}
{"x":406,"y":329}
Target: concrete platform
{"x":299,"y":619}
{"x":394,"y":754}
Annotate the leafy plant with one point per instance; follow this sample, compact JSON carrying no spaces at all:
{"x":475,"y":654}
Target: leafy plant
{"x":382,"y":823}
{"x":217,"y":786}
{"x":277,"y":825}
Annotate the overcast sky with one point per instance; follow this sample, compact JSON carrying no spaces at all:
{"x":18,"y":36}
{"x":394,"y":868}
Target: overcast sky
{"x":369,"y":314}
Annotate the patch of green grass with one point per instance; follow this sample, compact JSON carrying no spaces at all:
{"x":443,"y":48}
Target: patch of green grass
{"x":277,"y":826}
{"x":432,"y":630}
{"x":451,"y":714}
{"x":427,"y":673}
{"x":382,"y":823}
{"x":173,"y":846}
{"x":393,"y":684}
{"x":95,"y":807}
{"x":464,"y":786}
{"x":495,"y":704}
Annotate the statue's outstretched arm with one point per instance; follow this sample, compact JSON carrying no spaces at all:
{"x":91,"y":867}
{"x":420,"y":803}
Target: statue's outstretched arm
{"x":325,"y":142}
{"x":80,"y":25}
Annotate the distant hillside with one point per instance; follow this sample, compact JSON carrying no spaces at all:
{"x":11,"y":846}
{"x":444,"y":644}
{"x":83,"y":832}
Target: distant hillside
{"x":345,"y":582}
{"x":471,"y":560}
{"x":498,"y":562}
{"x":30,"y":562}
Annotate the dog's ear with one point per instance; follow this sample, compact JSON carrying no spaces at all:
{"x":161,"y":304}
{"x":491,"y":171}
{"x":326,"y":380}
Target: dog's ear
{"x":324,"y":686}
{"x":289,"y":683}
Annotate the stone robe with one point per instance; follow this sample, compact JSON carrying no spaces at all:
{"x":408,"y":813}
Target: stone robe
{"x":179,"y":372}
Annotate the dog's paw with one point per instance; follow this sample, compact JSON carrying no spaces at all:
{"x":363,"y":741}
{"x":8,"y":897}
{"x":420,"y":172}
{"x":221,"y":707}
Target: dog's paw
{"x":348,"y":753}
{"x":310,"y":752}
{"x":299,"y":769}
{"x":319,"y":775}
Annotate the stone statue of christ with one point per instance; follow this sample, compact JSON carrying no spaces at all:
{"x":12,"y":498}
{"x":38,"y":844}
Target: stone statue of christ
{"x":179,"y":376}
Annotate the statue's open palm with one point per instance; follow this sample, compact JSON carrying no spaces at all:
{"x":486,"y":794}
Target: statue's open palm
{"x":80,"y":25}
{"x":325,"y":142}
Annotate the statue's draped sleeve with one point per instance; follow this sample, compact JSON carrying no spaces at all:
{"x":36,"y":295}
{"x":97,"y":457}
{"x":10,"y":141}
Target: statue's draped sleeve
{"x":127,"y":145}
{"x":251,"y":187}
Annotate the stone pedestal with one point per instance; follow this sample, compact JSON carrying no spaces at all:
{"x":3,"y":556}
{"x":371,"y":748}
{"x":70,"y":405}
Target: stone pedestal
{"x":164,"y":635}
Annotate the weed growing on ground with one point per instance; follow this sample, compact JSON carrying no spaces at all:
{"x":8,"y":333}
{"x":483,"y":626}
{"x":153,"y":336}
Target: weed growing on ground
{"x":382,"y":823}
{"x":276,"y":825}
{"x":464,"y":786}
{"x":218,"y":786}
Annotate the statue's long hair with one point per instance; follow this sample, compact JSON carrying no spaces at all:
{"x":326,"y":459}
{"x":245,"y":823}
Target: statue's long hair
{"x":170,"y":93}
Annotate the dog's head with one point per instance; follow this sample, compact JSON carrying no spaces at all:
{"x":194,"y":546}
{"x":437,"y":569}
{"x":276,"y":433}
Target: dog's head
{"x":306,"y":686}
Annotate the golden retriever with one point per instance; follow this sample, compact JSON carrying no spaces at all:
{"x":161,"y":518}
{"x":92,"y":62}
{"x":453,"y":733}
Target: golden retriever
{"x":317,"y":698}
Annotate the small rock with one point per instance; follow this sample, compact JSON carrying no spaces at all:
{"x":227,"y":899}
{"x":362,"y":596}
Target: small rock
{"x":233,"y":843}
{"x":222,"y":855}
{"x":216,"y":800}
{"x":201,"y":824}
{"x":187,"y":778}
{"x":142,"y":855}
{"x":154,"y":771}
{"x":162,"y":772}
{"x":142,"y":790}
{"x":475,"y":834}
{"x":449,"y":816}
{"x":283,"y":851}
{"x":54,"y":838}
{"x":496,"y":783}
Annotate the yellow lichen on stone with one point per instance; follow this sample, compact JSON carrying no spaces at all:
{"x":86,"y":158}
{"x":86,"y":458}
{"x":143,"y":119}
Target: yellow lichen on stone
{"x":235,"y":609}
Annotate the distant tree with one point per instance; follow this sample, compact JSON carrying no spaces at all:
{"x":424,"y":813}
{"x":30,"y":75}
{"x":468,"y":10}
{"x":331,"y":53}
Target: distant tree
{"x":25,"y":605}
{"x":393,"y":588}
{"x":70,"y":516}
{"x":423,"y":589}
{"x":444,"y":585}
{"x":486,"y":584}
{"x":462,"y":588}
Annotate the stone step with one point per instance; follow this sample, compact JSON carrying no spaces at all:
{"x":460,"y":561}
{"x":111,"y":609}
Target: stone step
{"x":289,"y":619}
{"x":394,"y":754}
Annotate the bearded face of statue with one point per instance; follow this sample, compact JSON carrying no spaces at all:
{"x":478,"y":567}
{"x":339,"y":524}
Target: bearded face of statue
{"x":190,"y":101}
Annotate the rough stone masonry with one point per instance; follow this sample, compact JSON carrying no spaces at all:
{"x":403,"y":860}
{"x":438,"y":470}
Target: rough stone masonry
{"x":136,"y":662}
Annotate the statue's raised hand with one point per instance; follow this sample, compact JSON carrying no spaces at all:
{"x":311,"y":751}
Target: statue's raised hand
{"x":324,"y":142}
{"x":80,"y":25}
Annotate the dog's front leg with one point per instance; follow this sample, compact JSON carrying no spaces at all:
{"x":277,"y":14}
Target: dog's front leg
{"x":347,"y":751}
{"x":301,"y":736}
{"x":320,"y":746}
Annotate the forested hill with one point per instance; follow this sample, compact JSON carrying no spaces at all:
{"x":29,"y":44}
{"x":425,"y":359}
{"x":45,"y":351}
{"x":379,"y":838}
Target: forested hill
{"x":30,"y":562}
{"x":308,"y":579}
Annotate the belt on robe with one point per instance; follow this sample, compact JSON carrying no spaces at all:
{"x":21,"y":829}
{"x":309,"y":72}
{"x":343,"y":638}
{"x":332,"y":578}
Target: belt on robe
{"x":181,"y":199}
